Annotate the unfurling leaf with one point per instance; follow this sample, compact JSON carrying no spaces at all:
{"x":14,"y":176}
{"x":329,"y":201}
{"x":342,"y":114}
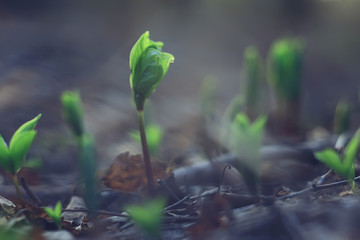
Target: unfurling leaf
{"x":148,"y":66}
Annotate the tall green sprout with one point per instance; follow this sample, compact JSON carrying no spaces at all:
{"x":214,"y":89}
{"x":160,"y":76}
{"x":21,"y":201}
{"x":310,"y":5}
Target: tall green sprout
{"x":73,"y":114}
{"x":12,"y":157}
{"x":254,"y":76}
{"x":148,"y":66}
{"x":284,"y":68}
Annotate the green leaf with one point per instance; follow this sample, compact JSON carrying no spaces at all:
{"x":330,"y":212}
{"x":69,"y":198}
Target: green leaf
{"x":148,"y":67}
{"x":73,"y":111}
{"x":148,"y":216}
{"x":351,"y":150}
{"x":19,"y":149}
{"x":55,"y":214}
{"x":30,"y":125}
{"x":5,"y":161}
{"x":142,"y":44}
{"x":58,"y":209}
{"x":331,"y":158}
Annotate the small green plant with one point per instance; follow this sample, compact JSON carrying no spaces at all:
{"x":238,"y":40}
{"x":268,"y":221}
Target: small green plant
{"x":55,"y":214}
{"x":342,"y":163}
{"x":148,"y":66}
{"x":148,"y":217}
{"x":73,"y":114}
{"x":342,"y":117}
{"x":254,"y":77}
{"x":154,"y":137}
{"x":245,"y":139}
{"x":284,"y":67}
{"x":12,"y":157}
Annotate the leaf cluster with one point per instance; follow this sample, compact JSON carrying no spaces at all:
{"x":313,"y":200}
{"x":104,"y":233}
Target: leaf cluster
{"x":12,"y":157}
{"x":55,"y":214}
{"x":245,"y":139}
{"x":342,"y":164}
{"x":148,"y":66}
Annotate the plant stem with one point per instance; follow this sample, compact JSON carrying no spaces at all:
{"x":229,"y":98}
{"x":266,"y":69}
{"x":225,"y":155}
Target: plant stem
{"x":16,"y":184}
{"x":146,"y":153}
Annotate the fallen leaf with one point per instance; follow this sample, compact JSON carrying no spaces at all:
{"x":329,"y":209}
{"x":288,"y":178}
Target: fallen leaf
{"x":127,"y":172}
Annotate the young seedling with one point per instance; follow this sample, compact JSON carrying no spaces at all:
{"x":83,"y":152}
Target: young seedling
{"x":73,"y":114}
{"x":148,"y":217}
{"x":154,"y":134}
{"x":12,"y":157}
{"x":55,"y":214}
{"x":245,"y":139}
{"x":148,"y":66}
{"x":342,"y":164}
{"x":342,"y":117}
{"x":254,"y":76}
{"x":284,"y":66}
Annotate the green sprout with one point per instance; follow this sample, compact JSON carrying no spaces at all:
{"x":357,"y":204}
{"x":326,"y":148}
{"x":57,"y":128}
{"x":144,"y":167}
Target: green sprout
{"x":245,"y":139}
{"x":73,"y":114}
{"x":284,"y":68}
{"x":207,"y":95}
{"x":253,"y":67}
{"x":148,"y":217}
{"x":55,"y":214}
{"x":154,"y":134}
{"x":148,"y":66}
{"x":12,"y":157}
{"x":342,"y":117}
{"x":342,"y":164}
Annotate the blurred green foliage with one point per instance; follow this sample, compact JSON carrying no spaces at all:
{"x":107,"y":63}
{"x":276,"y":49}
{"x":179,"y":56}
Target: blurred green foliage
{"x":154,"y":136}
{"x":284,"y":67}
{"x":342,"y":117}
{"x":55,"y":214}
{"x":148,"y":217}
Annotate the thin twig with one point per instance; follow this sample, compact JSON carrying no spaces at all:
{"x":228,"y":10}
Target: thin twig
{"x":227,"y":166}
{"x":30,"y":193}
{"x":99,"y":212}
{"x":176,"y":204}
{"x":316,"y":187}
{"x":167,"y":188}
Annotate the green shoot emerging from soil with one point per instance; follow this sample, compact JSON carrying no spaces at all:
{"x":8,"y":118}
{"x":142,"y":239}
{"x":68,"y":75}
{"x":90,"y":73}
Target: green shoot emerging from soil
{"x":12,"y":157}
{"x":73,"y":113}
{"x":342,"y":117}
{"x":342,"y":164}
{"x":284,"y":66}
{"x":148,"y":217}
{"x":253,"y":68}
{"x":148,"y":66}
{"x":245,"y":141}
{"x":55,"y":214}
{"x":154,"y":137}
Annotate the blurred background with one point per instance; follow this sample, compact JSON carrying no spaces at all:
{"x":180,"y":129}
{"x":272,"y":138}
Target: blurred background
{"x":47,"y":47}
